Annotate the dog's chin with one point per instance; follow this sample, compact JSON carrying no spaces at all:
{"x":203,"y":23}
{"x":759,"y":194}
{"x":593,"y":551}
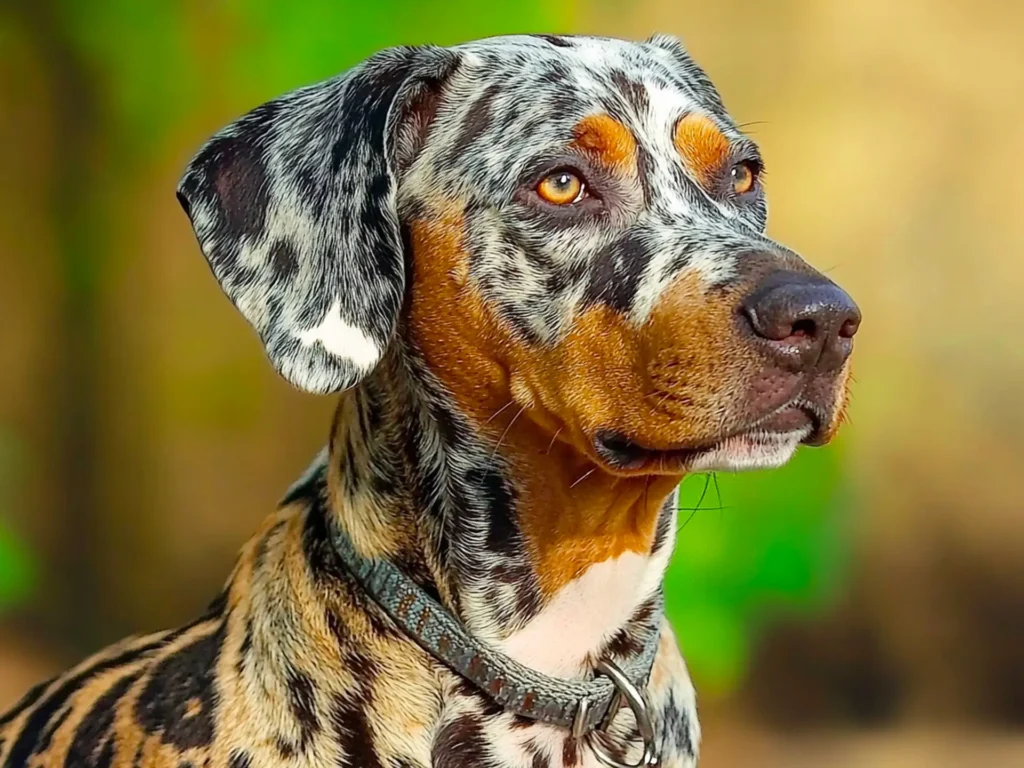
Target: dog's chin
{"x":766,"y":444}
{"x":751,"y":450}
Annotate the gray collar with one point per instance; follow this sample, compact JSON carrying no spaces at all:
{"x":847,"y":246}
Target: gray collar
{"x":583,"y":706}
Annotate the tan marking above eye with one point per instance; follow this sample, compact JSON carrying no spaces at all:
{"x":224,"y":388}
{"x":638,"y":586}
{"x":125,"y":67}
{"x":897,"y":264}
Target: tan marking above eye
{"x":561,"y":188}
{"x":607,"y":141}
{"x":703,"y":147}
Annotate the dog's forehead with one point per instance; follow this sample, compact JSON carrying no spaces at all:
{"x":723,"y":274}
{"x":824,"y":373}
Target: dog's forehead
{"x":578,"y":74}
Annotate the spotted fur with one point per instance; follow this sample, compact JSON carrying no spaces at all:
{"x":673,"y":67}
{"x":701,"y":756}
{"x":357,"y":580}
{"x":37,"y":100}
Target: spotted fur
{"x":382,"y":234}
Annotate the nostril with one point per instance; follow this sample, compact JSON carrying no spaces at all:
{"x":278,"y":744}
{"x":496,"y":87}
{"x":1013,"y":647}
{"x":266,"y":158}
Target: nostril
{"x":804,"y":328}
{"x":849,"y":328}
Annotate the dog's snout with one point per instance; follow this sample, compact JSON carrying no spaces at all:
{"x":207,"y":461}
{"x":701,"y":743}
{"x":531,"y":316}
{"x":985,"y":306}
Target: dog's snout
{"x":809,"y":322}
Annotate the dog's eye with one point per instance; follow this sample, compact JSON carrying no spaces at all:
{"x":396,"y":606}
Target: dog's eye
{"x":743,"y":176}
{"x":562,"y":188}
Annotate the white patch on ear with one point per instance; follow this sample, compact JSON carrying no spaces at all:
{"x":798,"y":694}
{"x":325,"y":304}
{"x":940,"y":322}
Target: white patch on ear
{"x":343,"y":340}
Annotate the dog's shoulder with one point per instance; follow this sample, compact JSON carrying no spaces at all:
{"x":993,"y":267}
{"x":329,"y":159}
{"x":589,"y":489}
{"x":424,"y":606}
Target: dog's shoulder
{"x":156,"y":699}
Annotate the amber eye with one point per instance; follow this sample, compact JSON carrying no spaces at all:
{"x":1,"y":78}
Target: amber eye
{"x":561,"y":188}
{"x":743,"y":176}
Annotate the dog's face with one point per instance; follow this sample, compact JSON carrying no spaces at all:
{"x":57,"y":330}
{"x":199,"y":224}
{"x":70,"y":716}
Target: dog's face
{"x":574,"y":225}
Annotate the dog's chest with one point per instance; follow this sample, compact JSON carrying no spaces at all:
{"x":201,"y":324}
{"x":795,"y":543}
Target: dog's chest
{"x":578,"y":621}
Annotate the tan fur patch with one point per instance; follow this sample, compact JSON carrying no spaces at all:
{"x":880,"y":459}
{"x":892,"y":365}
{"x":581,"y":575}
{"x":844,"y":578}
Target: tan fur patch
{"x":544,"y":404}
{"x":704,"y":148}
{"x":607,"y":141}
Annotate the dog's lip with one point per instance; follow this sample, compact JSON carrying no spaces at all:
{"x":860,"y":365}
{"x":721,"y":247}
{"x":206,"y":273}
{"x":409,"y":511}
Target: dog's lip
{"x":621,"y":452}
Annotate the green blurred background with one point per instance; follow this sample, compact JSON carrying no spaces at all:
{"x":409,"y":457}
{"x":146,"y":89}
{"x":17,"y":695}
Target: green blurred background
{"x":863,"y":606}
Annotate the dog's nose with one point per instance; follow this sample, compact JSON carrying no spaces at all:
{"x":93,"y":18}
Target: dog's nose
{"x":809,"y":322}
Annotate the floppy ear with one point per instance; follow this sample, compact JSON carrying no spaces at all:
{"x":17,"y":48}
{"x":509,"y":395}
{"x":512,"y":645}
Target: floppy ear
{"x":294,"y":208}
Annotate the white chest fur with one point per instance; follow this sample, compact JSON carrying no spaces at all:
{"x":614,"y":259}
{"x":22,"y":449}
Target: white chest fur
{"x":585,"y":614}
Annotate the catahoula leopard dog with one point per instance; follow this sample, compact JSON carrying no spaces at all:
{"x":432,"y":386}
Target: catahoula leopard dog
{"x":535,"y":268}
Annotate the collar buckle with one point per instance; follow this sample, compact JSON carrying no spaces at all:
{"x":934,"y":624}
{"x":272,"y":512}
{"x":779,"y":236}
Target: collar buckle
{"x":637,"y":701}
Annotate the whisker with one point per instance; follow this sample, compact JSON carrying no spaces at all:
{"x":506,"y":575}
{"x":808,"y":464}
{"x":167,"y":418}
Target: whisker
{"x":703,"y":509}
{"x":555,"y":437}
{"x":693,"y":510}
{"x":584,"y":477}
{"x":494,"y":415}
{"x":500,"y":439}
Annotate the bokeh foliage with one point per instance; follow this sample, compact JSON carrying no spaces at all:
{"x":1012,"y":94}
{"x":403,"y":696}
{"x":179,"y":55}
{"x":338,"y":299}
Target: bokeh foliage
{"x":751,"y":546}
{"x":17,"y":570}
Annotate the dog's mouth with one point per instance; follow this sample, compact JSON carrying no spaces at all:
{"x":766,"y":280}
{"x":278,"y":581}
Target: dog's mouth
{"x":766,"y":443}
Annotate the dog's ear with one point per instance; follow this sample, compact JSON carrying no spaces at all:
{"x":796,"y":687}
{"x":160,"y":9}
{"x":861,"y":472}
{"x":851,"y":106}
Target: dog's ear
{"x":294,"y":208}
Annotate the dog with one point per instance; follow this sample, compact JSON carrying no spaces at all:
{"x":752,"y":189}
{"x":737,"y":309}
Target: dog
{"x":535,"y":268}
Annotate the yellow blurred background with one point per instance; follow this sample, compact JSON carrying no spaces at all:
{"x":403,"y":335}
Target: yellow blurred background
{"x":863,"y":607}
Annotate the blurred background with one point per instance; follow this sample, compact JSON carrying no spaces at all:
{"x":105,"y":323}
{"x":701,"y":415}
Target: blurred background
{"x":862,"y":607}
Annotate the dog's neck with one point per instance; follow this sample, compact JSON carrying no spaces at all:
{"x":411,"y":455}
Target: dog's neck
{"x":536,"y":551}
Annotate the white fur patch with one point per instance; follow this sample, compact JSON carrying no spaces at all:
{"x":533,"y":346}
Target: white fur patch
{"x":584,"y":615}
{"x":750,"y":451}
{"x":343,"y":340}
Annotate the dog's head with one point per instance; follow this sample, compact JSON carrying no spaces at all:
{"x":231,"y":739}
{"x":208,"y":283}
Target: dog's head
{"x":572,"y":224}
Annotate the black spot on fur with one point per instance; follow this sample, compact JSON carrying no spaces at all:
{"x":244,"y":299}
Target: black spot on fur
{"x":284,"y":262}
{"x":528,"y":600}
{"x":245,"y":649}
{"x":555,"y":40}
{"x":180,"y":697}
{"x":521,"y":721}
{"x":324,"y":563}
{"x":354,"y":733}
{"x":93,"y":739}
{"x":240,"y":760}
{"x":622,"y":644}
{"x":634,"y":93}
{"x":26,"y":701}
{"x":285,"y":748}
{"x":502,"y":534}
{"x":461,"y":743}
{"x":264,"y":544}
{"x":28,"y":740}
{"x":675,"y":726}
{"x":307,"y":491}
{"x":301,"y":696}
{"x":616,"y":271}
{"x":105,"y":758}
{"x":51,"y":728}
{"x":570,"y":751}
{"x":644,"y":611}
{"x":363,"y":665}
{"x":663,"y":527}
{"x":478,"y":119}
{"x":217,"y":606}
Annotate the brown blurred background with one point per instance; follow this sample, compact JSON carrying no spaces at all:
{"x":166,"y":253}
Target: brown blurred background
{"x":143,"y":436}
